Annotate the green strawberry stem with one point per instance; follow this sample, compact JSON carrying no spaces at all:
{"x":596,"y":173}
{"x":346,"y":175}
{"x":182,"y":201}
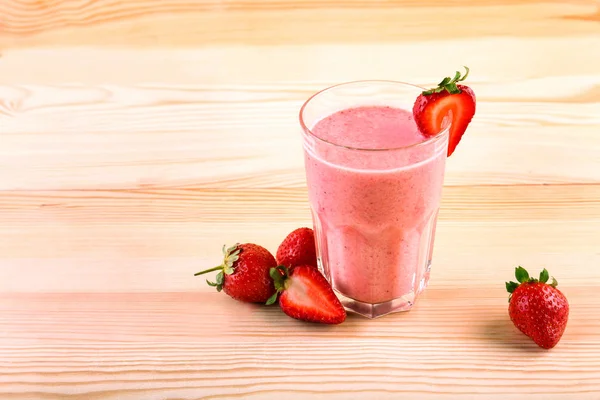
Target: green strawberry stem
{"x":449,"y":84}
{"x":231,"y":255}
{"x":523,"y":277}
{"x":218,"y":267}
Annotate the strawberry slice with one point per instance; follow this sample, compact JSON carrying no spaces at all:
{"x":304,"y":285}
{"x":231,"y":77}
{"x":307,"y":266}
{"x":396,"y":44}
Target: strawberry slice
{"x":305,"y":294}
{"x":448,"y":98}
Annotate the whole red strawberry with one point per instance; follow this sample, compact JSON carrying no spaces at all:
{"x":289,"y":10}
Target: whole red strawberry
{"x":447,"y":99}
{"x":298,"y":248}
{"x":305,"y":294}
{"x":538,"y":309}
{"x":244,"y":274}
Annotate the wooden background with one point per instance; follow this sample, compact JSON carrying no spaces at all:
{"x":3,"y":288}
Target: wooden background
{"x":138,"y":136}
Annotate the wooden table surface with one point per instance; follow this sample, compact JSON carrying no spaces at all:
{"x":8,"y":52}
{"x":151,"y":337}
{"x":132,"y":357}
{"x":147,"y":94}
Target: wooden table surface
{"x":137,"y":137}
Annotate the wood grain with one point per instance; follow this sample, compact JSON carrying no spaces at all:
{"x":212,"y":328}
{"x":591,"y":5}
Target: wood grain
{"x":136,"y":137}
{"x":174,"y":346}
{"x":193,"y":23}
{"x":116,"y":137}
{"x":261,"y":205}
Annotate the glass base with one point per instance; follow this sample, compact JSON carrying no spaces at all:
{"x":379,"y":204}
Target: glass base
{"x":376,"y":310}
{"x":404,"y":303}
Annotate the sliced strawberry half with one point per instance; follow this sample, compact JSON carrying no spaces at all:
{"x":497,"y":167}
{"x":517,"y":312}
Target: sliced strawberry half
{"x":447,"y":99}
{"x":305,"y":294}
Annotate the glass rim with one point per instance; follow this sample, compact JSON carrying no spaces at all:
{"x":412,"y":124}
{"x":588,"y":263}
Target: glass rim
{"x":308,"y":131}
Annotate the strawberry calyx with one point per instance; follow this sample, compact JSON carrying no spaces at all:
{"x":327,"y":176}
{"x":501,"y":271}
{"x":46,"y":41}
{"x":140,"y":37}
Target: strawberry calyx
{"x":449,"y":84}
{"x":523,"y":277}
{"x":280,"y":276}
{"x":230,"y":256}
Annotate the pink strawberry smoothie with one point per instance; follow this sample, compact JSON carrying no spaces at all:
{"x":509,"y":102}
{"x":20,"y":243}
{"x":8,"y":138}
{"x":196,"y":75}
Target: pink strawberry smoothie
{"x":374,"y":209}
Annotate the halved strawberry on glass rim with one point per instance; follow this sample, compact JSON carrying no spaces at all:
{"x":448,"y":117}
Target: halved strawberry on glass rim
{"x":448,"y":98}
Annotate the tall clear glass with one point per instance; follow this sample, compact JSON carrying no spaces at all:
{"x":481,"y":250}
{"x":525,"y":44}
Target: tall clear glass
{"x":374,"y":210}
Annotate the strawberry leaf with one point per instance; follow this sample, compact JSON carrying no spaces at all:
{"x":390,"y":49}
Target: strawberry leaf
{"x":278,"y":278}
{"x":452,"y":88}
{"x":554,"y":282}
{"x":274,"y":273}
{"x":279,"y":275}
{"x":230,"y":250}
{"x":448,"y":84}
{"x":521,"y":274}
{"x":219,"y":278}
{"x":231,"y":255}
{"x":445,"y":81}
{"x":273,"y":298}
{"x":544,"y":276}
{"x":511,"y":286}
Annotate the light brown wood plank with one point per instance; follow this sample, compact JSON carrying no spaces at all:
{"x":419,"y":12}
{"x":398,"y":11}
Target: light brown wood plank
{"x":156,"y":239}
{"x":137,"y":137}
{"x":80,"y":137}
{"x":163,"y":257}
{"x":264,"y":205}
{"x":565,"y":64}
{"x":152,"y":22}
{"x":456,"y":342}
{"x":468,"y":311}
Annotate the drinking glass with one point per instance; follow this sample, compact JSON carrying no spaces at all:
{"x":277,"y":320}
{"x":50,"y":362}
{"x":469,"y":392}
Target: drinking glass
{"x":374,"y":211}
